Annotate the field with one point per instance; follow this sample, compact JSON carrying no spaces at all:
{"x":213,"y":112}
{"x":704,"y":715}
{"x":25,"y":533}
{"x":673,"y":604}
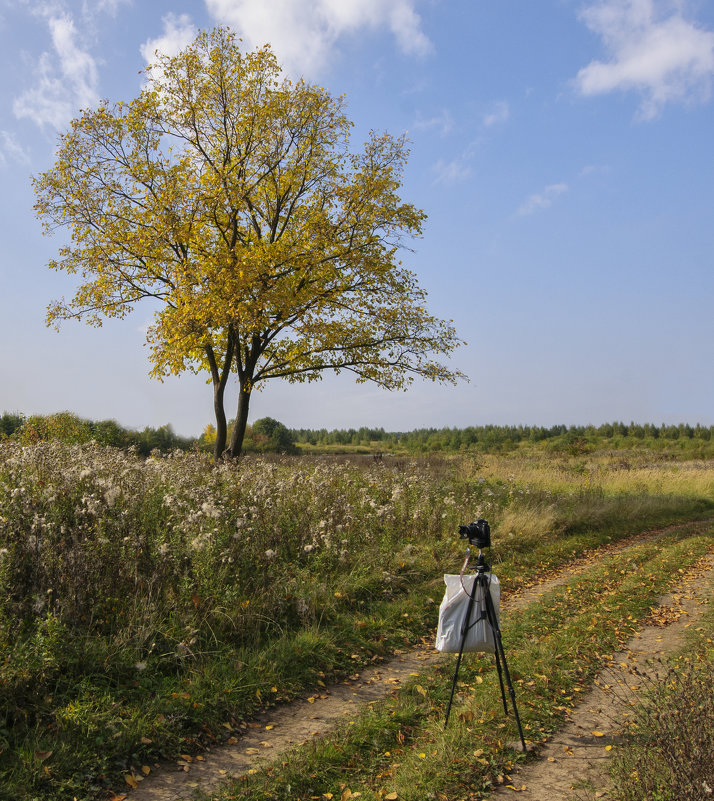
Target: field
{"x":151,"y":605}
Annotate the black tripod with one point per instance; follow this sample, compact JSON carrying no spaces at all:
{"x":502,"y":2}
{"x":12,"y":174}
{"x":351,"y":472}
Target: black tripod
{"x":481,"y":591}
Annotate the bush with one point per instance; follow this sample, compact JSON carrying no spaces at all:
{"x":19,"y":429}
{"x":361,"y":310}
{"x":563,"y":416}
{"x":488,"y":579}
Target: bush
{"x":671,"y":750}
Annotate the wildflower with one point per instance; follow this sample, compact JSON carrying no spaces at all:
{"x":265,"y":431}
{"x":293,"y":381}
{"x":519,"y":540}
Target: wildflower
{"x":210,"y":510}
{"x":308,"y":548}
{"x":270,"y":553}
{"x":140,"y":666}
{"x":111,"y":495}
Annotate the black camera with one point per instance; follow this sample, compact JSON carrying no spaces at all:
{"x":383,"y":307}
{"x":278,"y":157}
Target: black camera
{"x":478,"y":533}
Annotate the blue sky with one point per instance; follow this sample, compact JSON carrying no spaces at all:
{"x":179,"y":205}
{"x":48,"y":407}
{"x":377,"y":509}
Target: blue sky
{"x":562,"y":149}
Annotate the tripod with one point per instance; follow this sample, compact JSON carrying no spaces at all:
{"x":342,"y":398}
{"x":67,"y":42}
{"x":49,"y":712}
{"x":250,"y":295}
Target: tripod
{"x":481,"y":591}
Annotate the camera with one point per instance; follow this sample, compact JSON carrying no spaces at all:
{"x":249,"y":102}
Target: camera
{"x":478,"y":533}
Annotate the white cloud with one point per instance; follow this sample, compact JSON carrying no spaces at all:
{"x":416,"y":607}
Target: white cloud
{"x":500,"y":114}
{"x":304,"y":33}
{"x":652,"y":49}
{"x":66,"y":77}
{"x":444,"y":122}
{"x":11,"y":149}
{"x":179,"y":32}
{"x":542,"y":200}
{"x":103,"y":6}
{"x":451,"y":172}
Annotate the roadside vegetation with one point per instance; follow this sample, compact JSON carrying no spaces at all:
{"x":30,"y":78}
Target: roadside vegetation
{"x":150,"y":605}
{"x":668,"y":753}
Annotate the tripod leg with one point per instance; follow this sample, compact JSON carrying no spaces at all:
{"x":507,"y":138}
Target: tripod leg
{"x":493,"y":621}
{"x":500,"y":679}
{"x":464,"y":632}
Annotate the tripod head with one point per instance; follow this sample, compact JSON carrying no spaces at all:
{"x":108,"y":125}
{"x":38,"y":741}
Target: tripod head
{"x":478,"y":534}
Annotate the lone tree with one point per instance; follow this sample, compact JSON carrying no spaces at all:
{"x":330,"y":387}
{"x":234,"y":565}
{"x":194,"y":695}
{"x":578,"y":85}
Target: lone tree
{"x":229,"y":196}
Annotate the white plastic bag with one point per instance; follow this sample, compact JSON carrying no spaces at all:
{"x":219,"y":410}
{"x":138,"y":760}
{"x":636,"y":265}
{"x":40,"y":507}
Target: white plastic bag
{"x":453,"y":611}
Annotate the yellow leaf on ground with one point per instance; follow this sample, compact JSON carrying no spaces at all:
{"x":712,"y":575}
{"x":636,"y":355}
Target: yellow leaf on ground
{"x":131,"y":781}
{"x":146,"y":770}
{"x":597,"y":734}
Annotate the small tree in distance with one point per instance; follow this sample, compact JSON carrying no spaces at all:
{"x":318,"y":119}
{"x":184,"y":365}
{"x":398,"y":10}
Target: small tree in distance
{"x":229,"y":196}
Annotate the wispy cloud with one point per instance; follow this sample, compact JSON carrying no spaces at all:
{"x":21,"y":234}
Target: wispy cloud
{"x":179,"y":31}
{"x":110,"y":7}
{"x":542,"y":200}
{"x":453,"y":171}
{"x":498,"y":115}
{"x":11,"y":150}
{"x":652,"y":49}
{"x":443,"y":122}
{"x":66,"y":77}
{"x":304,"y":33}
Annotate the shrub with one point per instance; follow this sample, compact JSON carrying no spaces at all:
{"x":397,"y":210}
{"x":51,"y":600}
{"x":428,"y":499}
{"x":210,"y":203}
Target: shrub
{"x":671,"y":748}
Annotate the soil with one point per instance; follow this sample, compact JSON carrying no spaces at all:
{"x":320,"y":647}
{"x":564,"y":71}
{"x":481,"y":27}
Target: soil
{"x":575,"y":758}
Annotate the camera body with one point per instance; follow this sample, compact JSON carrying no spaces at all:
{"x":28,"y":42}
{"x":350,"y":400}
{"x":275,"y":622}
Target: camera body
{"x":478,"y":533}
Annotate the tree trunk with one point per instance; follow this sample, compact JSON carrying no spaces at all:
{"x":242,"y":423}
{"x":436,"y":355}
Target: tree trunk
{"x":221,"y":426}
{"x":220,"y":379}
{"x":238,"y":434}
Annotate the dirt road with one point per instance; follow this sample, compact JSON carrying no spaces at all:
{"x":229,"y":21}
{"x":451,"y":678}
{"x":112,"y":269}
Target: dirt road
{"x":574,"y":756}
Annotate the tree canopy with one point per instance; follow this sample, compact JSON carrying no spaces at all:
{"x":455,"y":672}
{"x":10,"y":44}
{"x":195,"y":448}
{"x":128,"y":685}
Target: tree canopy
{"x":229,"y":196}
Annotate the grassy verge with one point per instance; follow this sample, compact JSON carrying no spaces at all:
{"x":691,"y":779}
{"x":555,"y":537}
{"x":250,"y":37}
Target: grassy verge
{"x":668,"y":754}
{"x":398,"y":749}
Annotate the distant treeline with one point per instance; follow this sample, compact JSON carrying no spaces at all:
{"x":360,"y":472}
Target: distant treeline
{"x":270,"y":436}
{"x":68,"y":427}
{"x":499,"y":438}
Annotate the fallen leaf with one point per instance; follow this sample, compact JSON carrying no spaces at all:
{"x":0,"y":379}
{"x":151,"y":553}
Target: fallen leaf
{"x":391,"y":797}
{"x":43,"y":755}
{"x":131,"y":781}
{"x":146,"y":770}
{"x":252,"y":750}
{"x":597,"y":734}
